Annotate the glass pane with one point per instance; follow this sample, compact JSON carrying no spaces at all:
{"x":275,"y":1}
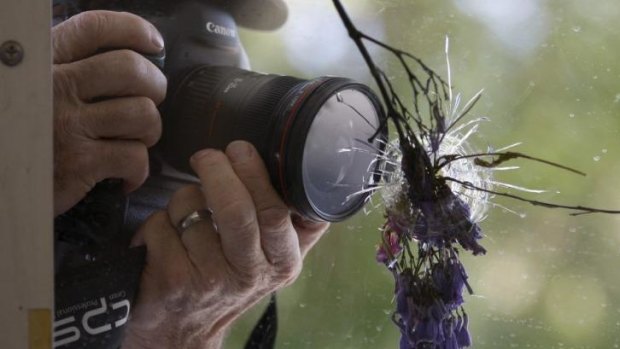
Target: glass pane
{"x":550,"y":74}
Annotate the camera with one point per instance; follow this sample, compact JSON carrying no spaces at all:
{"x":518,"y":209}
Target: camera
{"x":320,"y":139}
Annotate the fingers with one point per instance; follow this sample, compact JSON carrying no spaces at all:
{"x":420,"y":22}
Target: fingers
{"x":233,"y":211}
{"x":161,"y":240}
{"x":167,"y":268}
{"x":200,"y":239}
{"x":87,"y":135}
{"x":278,"y":238}
{"x":138,"y":116}
{"x":127,"y":160}
{"x":185,"y":201}
{"x":83,"y":35}
{"x":120,"y":73}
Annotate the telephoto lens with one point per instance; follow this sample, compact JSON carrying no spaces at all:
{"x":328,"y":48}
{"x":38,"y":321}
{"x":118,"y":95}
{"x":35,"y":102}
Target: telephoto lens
{"x":321,"y":139}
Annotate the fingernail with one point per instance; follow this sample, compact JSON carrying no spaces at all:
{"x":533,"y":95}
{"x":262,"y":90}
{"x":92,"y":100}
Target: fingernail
{"x":158,"y":40}
{"x":202,"y":154}
{"x":239,"y":151}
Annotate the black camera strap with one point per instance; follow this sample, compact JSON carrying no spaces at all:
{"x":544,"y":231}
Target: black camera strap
{"x":263,"y":335}
{"x":96,"y":274}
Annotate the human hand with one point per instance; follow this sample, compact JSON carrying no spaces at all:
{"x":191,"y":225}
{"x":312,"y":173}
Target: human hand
{"x":197,"y":282}
{"x":105,"y":104}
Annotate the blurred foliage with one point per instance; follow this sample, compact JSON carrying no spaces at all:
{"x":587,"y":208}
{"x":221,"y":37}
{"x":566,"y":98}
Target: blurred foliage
{"x":551,"y":76}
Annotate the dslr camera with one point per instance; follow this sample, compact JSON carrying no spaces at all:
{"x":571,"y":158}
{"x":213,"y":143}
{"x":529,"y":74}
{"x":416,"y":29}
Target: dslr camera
{"x":320,"y":139}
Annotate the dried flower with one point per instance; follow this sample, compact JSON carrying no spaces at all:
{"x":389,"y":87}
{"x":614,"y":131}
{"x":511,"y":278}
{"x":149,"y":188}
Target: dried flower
{"x":435,"y":191}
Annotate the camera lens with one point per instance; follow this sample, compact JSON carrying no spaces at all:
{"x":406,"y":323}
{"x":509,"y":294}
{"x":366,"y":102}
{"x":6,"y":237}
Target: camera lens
{"x":337,"y":159}
{"x":314,"y":135}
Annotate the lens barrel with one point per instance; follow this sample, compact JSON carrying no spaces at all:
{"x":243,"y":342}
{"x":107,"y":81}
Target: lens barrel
{"x":314,"y":135}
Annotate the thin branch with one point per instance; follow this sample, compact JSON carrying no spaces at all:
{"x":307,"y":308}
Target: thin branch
{"x":503,"y":157}
{"x":582,"y":209}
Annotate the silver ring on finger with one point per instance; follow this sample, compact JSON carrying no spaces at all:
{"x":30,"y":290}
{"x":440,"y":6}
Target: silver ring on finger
{"x":193,"y":218}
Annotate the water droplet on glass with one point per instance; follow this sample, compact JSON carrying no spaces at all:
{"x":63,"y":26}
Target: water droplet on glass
{"x":596,"y":158}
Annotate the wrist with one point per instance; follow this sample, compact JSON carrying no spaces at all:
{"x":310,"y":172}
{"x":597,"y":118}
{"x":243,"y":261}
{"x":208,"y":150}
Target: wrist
{"x":172,"y":338}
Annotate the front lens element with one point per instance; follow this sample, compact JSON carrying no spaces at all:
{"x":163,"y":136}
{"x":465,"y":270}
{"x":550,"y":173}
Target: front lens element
{"x":338,"y":165}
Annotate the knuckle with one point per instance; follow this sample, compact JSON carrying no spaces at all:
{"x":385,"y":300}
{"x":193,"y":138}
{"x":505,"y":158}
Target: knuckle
{"x":135,"y":66}
{"x":289,"y":272}
{"x":162,"y":85}
{"x":146,"y":106}
{"x":140,"y":156}
{"x":152,"y":121}
{"x":274,"y":218}
{"x":90,"y":24}
{"x":238,"y":216}
{"x":135,"y":62}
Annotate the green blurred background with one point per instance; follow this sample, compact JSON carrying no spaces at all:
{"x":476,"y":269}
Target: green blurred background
{"x":551,"y":75}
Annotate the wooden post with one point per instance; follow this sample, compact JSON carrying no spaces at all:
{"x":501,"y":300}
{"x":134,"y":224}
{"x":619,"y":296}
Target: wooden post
{"x":26,"y":176}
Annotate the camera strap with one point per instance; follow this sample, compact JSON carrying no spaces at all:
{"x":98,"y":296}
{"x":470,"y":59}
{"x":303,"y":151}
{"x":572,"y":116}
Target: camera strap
{"x":263,"y":335}
{"x":96,"y":274}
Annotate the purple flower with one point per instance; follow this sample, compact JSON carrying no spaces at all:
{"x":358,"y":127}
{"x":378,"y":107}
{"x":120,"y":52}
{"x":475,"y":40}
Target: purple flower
{"x":453,"y":330}
{"x":385,"y":254}
{"x":427,"y":303}
{"x":442,"y":222}
{"x":427,"y":331}
{"x":462,"y":334}
{"x":449,"y":279}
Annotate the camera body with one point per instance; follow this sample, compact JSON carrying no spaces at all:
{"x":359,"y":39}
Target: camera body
{"x":196,"y":33}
